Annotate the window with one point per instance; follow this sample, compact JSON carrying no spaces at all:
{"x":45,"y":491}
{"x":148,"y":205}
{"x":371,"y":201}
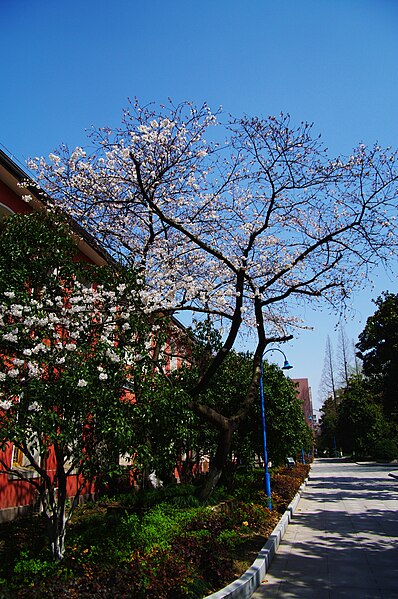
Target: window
{"x":20,"y":461}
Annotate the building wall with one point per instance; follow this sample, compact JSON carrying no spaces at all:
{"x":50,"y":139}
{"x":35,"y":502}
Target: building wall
{"x":12,"y":201}
{"x":304,"y":394}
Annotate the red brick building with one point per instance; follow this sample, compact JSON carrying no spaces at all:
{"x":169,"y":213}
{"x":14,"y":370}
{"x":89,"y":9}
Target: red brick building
{"x":304,"y":394}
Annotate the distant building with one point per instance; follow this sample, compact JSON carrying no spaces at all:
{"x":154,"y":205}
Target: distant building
{"x":305,"y":395}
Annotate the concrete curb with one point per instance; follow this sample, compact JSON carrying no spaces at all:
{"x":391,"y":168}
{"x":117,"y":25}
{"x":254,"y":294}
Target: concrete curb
{"x":244,"y":587}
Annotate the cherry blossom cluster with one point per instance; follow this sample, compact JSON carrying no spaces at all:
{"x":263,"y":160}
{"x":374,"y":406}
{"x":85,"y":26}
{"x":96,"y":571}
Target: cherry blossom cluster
{"x":221,"y":216}
{"x":56,"y":336}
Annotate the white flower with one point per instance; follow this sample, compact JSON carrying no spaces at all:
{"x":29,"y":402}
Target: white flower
{"x":70,"y":346}
{"x":112,"y":356}
{"x":2,"y":376}
{"x":9,"y":294}
{"x":82,"y":383}
{"x":5,"y":404}
{"x":13,"y":373}
{"x":39,"y":347}
{"x":10,"y":337}
{"x":16,"y":310}
{"x":33,"y":370}
{"x":103,"y":376}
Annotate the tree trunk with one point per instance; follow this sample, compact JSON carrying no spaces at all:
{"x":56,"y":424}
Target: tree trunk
{"x":54,"y":507}
{"x":218,"y":462}
{"x":54,"y":511}
{"x":56,"y":525}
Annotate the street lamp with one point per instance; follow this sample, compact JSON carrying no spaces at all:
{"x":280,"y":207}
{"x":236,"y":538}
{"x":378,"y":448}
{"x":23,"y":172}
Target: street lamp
{"x":267,"y":479}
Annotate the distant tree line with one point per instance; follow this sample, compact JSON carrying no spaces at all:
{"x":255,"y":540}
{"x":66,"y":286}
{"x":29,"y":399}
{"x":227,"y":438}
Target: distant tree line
{"x":360,"y":411}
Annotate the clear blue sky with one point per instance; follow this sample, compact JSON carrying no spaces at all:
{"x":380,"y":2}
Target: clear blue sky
{"x":67,"y":65}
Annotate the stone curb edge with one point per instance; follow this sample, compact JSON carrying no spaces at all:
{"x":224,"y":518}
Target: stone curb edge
{"x":244,"y":587}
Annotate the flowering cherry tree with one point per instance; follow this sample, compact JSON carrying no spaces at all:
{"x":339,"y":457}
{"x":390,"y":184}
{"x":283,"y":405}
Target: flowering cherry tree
{"x":245,"y":221}
{"x":67,"y":348}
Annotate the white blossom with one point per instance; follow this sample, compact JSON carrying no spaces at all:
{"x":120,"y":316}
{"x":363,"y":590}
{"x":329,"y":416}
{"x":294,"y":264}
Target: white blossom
{"x":34,"y":371}
{"x":16,"y":310}
{"x":112,"y":356}
{"x":260,"y":199}
{"x":5,"y":404}
{"x":40,"y":347}
{"x":10,"y":337}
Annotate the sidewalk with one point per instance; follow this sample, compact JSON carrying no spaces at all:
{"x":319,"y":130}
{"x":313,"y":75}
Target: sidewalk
{"x":343,"y":539}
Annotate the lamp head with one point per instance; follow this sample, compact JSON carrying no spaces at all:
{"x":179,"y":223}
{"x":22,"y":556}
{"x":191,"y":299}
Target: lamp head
{"x":286,"y":366}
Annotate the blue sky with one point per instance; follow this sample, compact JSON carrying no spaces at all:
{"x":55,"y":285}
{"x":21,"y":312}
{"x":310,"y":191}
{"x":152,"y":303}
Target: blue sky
{"x":67,"y":65}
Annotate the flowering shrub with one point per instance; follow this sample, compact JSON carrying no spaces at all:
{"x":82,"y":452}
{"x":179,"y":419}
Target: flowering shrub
{"x":67,"y":348}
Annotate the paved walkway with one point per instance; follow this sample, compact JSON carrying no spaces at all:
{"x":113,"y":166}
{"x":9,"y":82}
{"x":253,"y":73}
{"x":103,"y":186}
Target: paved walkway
{"x":343,"y":539}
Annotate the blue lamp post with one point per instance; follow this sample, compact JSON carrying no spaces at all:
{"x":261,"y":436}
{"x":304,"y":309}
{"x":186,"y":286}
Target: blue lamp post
{"x":267,"y":479}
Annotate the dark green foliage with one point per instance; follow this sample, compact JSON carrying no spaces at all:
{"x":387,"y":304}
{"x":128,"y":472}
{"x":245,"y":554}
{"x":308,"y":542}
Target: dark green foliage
{"x":181,"y":496}
{"x":327,"y":439}
{"x":378,"y":347}
{"x":386,"y":449}
{"x":361,"y":426}
{"x":287,"y":432}
{"x":163,"y":575}
{"x":362,"y":418}
{"x":165,"y":428}
{"x":357,"y":425}
{"x":31,"y":245}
